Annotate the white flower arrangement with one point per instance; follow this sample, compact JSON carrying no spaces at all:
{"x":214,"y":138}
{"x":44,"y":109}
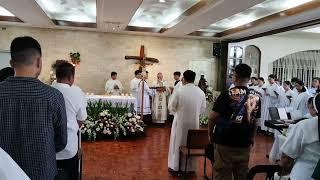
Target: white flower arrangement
{"x":108,"y":124}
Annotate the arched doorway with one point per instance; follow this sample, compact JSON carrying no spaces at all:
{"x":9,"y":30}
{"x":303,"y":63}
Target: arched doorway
{"x":252,"y":57}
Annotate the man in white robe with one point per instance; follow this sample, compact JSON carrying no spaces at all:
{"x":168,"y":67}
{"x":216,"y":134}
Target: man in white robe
{"x":188,"y":103}
{"x":160,"y":100}
{"x":271,"y":99}
{"x":299,"y":106}
{"x":113,"y":85}
{"x":136,"y":90}
{"x":177,"y":85}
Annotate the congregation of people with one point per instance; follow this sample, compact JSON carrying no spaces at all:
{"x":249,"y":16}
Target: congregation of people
{"x":39,"y":124}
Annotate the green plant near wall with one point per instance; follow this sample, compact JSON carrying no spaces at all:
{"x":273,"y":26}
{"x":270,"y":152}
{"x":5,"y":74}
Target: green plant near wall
{"x":75,"y":57}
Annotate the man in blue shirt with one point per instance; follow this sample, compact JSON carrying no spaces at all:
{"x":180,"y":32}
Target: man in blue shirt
{"x":32,"y":115}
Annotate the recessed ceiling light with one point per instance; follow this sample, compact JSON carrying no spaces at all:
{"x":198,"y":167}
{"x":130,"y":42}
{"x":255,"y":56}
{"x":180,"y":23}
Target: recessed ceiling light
{"x":151,"y":14}
{"x":264,"y":9}
{"x":70,"y":10}
{"x":313,"y":30}
{"x":4,"y":12}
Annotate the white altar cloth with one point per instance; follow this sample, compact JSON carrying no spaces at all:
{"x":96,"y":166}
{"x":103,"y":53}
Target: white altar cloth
{"x":124,"y":101}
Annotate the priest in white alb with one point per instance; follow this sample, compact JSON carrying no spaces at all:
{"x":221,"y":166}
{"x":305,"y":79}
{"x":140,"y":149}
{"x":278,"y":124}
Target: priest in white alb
{"x":113,"y":85}
{"x":137,"y":86}
{"x":160,"y":100}
{"x":188,"y":103}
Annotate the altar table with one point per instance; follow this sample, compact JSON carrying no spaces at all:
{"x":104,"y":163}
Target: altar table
{"x":124,"y":101}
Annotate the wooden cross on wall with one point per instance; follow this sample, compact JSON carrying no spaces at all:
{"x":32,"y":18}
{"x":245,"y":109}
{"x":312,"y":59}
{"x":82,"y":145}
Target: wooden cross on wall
{"x":143,"y":60}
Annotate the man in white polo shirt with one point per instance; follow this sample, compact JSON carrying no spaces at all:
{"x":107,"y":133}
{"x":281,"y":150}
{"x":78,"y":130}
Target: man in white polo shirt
{"x":76,"y":111}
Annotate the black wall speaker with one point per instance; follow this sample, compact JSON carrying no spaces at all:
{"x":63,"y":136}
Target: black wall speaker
{"x":216,"y":50}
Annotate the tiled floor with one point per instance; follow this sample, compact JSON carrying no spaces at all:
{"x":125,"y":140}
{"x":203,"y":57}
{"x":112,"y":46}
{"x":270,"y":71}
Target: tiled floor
{"x":146,"y":158}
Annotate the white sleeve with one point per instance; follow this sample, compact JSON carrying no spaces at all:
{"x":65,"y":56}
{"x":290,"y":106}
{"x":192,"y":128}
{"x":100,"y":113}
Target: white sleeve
{"x":203,"y":105}
{"x":174,"y":102}
{"x":108,"y":89}
{"x":120,"y":86}
{"x":82,"y":112}
{"x":132,"y":86}
{"x":293,"y":146}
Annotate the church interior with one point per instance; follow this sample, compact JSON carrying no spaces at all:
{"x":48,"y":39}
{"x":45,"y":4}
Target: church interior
{"x":150,"y":77}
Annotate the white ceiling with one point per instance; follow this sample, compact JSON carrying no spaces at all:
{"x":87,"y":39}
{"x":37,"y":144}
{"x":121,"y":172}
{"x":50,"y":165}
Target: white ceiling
{"x":115,"y":15}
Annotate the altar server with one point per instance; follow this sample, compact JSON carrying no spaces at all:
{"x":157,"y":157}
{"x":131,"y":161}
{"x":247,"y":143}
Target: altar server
{"x":160,"y":100}
{"x":113,"y":86}
{"x":188,"y":103}
{"x":139,"y":85}
{"x":302,"y":147}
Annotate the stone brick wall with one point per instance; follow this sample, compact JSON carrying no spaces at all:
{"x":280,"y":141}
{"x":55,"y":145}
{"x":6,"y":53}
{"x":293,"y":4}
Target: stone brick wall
{"x":102,"y":53}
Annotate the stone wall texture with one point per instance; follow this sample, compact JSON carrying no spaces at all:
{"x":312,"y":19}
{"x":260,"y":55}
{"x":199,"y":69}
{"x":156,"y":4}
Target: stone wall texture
{"x":102,"y":53}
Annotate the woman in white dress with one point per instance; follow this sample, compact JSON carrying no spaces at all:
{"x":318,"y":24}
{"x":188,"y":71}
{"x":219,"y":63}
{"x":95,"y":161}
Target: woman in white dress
{"x":287,"y":95}
{"x":299,"y":106}
{"x":302,"y":147}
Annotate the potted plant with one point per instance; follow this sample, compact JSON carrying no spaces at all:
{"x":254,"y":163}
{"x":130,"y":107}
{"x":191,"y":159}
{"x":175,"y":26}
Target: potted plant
{"x":75,"y":58}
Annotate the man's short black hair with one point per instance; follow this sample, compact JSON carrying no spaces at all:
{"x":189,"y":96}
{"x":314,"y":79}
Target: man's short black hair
{"x":301,"y":83}
{"x":294,"y":79}
{"x":5,"y":73}
{"x":64,"y":70}
{"x":254,"y":78}
{"x":243,"y":71}
{"x":113,"y":73}
{"x":177,"y":73}
{"x":189,"y":76}
{"x":137,"y":72}
{"x":22,"y":50}
{"x":261,"y":79}
{"x":272,"y":76}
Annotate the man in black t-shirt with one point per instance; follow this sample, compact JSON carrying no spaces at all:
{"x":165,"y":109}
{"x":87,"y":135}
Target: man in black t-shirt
{"x":234,"y":122}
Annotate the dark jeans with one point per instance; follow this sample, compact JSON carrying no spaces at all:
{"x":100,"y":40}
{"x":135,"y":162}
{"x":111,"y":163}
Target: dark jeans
{"x":68,"y":169}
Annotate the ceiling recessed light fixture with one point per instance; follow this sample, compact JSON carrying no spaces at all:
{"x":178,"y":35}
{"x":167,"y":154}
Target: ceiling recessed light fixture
{"x":264,"y":9}
{"x":313,"y":30}
{"x":5,"y":12}
{"x":151,"y":14}
{"x":70,"y":10}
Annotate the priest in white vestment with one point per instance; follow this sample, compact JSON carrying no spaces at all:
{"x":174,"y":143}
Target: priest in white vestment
{"x":188,"y":103}
{"x":113,"y":85}
{"x":160,"y":100}
{"x":137,"y":86}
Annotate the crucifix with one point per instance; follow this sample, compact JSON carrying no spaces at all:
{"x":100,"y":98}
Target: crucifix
{"x":143,"y":61}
